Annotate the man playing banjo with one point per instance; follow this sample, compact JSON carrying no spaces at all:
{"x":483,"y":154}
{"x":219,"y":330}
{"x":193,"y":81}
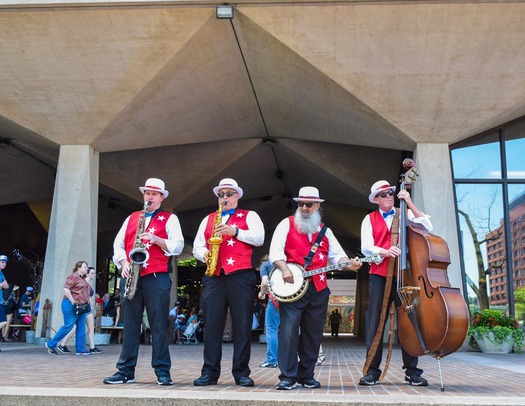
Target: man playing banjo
{"x":304,"y":240}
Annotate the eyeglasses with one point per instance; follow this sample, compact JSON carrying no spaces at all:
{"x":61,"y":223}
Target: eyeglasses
{"x":309,"y":205}
{"x":227,"y":194}
{"x":385,"y":194}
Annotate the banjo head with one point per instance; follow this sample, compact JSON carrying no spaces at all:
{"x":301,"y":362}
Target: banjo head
{"x":288,"y":292}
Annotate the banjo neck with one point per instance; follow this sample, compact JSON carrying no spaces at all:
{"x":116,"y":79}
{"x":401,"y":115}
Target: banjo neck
{"x":373,"y":258}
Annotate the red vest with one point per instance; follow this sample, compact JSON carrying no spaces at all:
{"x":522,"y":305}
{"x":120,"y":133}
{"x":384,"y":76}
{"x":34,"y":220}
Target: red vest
{"x":298,"y":246}
{"x":383,"y":239}
{"x":234,"y":254}
{"x":158,"y":261}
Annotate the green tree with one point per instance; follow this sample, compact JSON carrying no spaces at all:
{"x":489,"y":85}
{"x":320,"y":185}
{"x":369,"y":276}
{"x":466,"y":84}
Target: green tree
{"x":480,"y":289}
{"x":519,"y":301}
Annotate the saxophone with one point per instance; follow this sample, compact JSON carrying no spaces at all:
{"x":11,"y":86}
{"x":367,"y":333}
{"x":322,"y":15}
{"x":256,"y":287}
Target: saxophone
{"x":214,"y":241}
{"x":138,"y":256}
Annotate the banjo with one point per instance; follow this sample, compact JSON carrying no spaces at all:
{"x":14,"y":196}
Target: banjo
{"x":290,"y":292}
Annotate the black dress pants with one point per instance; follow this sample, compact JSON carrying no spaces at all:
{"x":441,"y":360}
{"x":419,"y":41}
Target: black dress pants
{"x":301,"y":333}
{"x":153,"y":294}
{"x":376,"y":289}
{"x":235,"y":291}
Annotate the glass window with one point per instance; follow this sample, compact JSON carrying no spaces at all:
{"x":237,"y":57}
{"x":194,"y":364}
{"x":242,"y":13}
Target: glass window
{"x":480,"y":210}
{"x":481,"y":161}
{"x":480,"y":183}
{"x":514,"y":147}
{"x":517,"y":227}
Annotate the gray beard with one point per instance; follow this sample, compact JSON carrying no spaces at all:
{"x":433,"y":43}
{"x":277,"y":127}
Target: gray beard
{"x":307,"y":225}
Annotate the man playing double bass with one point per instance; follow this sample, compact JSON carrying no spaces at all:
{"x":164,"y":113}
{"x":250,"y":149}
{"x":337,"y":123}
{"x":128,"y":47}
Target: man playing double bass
{"x":376,"y":238}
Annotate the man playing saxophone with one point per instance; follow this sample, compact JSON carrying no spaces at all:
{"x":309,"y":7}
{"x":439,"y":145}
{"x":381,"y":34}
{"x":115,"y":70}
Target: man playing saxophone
{"x":158,"y":232}
{"x":229,"y":281}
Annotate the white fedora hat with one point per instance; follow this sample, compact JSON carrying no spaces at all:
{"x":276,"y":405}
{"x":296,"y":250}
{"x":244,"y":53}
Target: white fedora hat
{"x":155,"y":185}
{"x":378,"y":187}
{"x":228,"y":183}
{"x":308,"y":194}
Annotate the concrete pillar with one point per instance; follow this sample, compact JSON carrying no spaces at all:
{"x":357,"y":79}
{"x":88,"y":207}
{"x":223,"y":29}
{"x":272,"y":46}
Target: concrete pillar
{"x":73,"y":227}
{"x":433,"y":193}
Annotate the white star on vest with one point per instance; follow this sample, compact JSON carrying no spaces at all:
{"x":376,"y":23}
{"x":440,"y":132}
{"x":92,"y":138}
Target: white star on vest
{"x":321,"y":256}
{"x":152,"y":230}
{"x":321,"y":277}
{"x":239,"y":214}
{"x":147,"y":245}
{"x":145,"y":265}
{"x":230,"y":261}
{"x":231,"y":242}
{"x":161,"y":218}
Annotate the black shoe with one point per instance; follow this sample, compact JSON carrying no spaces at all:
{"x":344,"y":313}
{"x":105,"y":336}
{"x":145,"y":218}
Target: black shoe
{"x":119,"y":378}
{"x":416,"y":380}
{"x":309,"y":383}
{"x":95,"y":350}
{"x":204,"y":380}
{"x":63,"y":349}
{"x":50,"y":350}
{"x":164,"y":380}
{"x":368,"y":380}
{"x":244,"y":381}
{"x":286,"y":384}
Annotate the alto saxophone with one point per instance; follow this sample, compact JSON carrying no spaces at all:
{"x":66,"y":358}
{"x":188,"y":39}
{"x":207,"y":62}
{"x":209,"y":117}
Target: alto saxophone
{"x":138,"y":256}
{"x":214,"y":241}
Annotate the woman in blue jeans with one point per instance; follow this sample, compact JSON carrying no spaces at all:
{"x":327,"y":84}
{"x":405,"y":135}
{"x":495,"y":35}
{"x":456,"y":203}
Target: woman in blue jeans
{"x":76,"y":292}
{"x":272,"y":319}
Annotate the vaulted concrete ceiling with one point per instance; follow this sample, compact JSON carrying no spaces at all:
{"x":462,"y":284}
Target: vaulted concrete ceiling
{"x":323,"y":93}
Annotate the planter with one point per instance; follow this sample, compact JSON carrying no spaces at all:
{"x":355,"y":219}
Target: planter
{"x":488,"y":345}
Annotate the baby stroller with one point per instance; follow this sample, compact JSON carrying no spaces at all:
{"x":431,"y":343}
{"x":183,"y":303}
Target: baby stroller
{"x":189,"y":336}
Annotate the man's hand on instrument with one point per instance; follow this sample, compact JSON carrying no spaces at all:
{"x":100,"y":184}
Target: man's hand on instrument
{"x":393,"y":252}
{"x":354,"y":265}
{"x":404,"y":195}
{"x":125,"y":268}
{"x":225,"y":229}
{"x":287,"y":275}
{"x":150,"y":237}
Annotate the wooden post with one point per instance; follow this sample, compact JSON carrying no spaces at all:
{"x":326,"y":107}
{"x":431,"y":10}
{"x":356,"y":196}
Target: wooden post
{"x":98,"y":320}
{"x":45,"y":312}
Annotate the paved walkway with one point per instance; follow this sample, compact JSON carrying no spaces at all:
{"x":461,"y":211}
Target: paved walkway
{"x":29,"y":375}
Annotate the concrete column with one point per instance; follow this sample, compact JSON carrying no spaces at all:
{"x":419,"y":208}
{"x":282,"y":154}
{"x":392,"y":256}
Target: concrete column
{"x":433,"y":193}
{"x":73,"y":227}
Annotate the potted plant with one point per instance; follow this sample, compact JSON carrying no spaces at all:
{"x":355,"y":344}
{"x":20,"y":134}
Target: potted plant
{"x":494,"y":331}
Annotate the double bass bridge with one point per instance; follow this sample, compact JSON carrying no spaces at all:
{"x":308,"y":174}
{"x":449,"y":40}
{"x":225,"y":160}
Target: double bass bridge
{"x":406,"y":295}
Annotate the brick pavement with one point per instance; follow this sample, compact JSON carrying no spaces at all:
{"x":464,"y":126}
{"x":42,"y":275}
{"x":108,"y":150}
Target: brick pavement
{"x":469,"y":378}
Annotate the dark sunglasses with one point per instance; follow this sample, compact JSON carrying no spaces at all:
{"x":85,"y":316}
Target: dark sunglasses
{"x":385,"y":194}
{"x":301,"y":204}
{"x":227,"y":194}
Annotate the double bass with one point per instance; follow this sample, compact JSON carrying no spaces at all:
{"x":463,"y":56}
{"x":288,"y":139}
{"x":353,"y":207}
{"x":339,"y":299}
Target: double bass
{"x":433,"y":317}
